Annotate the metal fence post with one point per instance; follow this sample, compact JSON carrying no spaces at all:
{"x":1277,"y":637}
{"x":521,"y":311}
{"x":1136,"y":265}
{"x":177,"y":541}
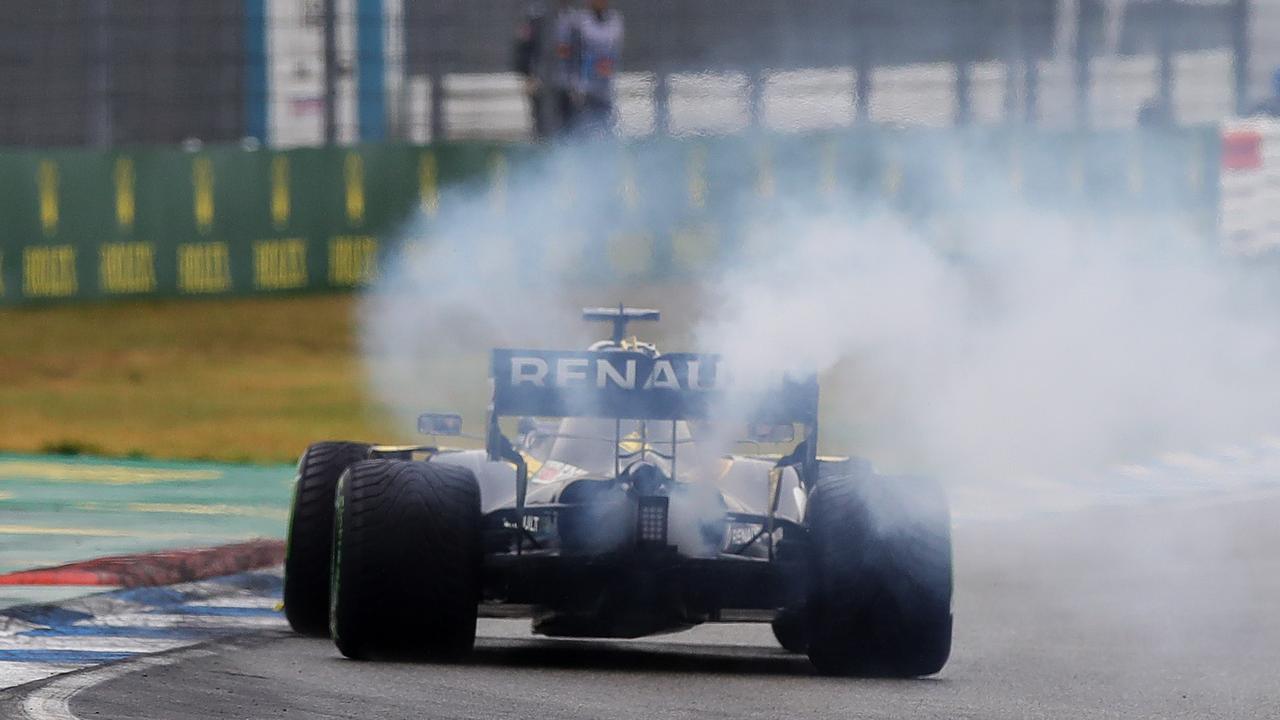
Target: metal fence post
{"x":662,"y":104}
{"x":100,"y":130}
{"x":1082,"y":68}
{"x":1031,"y":67}
{"x":864,"y":66}
{"x":1240,"y":19}
{"x":755,"y":98}
{"x":964,"y":92}
{"x":435,"y":115}
{"x":1012,"y":59}
{"x":1164,"y":50}
{"x":330,"y":72}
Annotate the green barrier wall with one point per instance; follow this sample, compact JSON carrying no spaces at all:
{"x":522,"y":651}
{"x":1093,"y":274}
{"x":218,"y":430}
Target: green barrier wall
{"x":227,"y":221}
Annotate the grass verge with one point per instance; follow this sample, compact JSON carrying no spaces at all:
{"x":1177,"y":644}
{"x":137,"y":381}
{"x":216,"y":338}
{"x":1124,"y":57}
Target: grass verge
{"x":237,"y":380}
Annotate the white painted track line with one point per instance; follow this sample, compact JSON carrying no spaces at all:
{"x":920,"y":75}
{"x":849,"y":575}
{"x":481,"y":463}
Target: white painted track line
{"x":178,"y":621}
{"x":93,"y":644}
{"x":256,"y":602}
{"x":19,"y":673}
{"x":53,"y":701}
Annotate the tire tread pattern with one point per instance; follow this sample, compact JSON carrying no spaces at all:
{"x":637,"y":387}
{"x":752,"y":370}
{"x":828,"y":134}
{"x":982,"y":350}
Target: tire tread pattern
{"x":310,"y":534}
{"x":880,"y":603}
{"x":407,"y":560}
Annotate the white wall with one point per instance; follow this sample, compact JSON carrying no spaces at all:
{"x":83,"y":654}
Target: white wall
{"x":295,"y":72}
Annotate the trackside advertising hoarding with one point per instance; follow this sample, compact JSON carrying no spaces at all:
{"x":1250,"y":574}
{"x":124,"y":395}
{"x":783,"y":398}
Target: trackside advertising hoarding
{"x":227,"y":221}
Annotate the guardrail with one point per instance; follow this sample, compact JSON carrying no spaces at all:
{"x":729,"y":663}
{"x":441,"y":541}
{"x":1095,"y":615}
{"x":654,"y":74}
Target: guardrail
{"x":221,"y":221}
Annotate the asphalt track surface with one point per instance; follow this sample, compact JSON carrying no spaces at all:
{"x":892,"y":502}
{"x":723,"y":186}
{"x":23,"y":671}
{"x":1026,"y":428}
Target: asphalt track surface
{"x":1170,"y":611}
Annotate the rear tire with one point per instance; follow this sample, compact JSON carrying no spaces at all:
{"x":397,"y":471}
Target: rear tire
{"x":880,"y":603}
{"x":310,"y":537}
{"x":791,"y":631}
{"x":406,"y":560}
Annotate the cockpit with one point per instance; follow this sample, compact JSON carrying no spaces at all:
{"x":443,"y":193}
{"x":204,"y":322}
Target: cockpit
{"x":598,"y":447}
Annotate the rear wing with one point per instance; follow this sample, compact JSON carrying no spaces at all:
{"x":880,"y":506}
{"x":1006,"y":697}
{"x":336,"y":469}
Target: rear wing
{"x":636,"y":386}
{"x":619,"y":317}
{"x":633,"y":385}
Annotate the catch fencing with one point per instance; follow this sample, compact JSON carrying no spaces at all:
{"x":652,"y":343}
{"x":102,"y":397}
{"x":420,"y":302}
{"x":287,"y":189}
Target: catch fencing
{"x":306,"y":72}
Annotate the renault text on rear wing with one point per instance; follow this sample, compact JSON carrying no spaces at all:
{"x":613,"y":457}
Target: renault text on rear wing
{"x":632,"y":385}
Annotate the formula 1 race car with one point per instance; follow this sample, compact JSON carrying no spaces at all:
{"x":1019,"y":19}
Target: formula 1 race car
{"x":618,"y":512}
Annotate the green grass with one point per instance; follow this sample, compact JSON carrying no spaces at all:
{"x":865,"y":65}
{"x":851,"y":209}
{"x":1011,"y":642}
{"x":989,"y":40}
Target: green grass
{"x":240,"y":380}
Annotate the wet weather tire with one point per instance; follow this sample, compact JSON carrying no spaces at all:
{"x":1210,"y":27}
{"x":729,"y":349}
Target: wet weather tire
{"x":406,"y":560}
{"x":791,"y":632}
{"x":310,"y":538}
{"x":880,"y":600}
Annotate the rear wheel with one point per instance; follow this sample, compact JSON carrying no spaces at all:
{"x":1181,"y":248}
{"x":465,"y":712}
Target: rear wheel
{"x":791,"y":631}
{"x":406,"y":560}
{"x":310,"y":537}
{"x":880,"y":603}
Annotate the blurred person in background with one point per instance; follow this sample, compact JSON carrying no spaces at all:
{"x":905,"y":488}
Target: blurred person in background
{"x":565,"y":67}
{"x":549,"y":77}
{"x":1155,"y":113}
{"x":597,"y":48}
{"x":1271,"y":106}
{"x":529,"y":55}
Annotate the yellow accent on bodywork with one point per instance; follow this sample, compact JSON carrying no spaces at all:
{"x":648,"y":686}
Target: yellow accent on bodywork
{"x":532,"y":463}
{"x":631,"y":444}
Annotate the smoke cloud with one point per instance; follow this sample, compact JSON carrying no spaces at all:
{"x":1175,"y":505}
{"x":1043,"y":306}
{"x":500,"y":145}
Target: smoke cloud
{"x":1036,"y":348}
{"x":1014,"y":346}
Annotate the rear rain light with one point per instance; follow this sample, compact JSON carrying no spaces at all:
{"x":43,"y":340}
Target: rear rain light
{"x":652,"y":520}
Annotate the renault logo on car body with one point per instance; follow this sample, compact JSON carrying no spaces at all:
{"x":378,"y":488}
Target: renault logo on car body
{"x":606,"y":370}
{"x":633,"y":384}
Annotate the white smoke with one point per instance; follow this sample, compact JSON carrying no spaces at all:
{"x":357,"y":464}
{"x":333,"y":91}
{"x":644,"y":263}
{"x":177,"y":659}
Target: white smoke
{"x":1013,"y":344}
{"x":1032,"y":349}
{"x":492,"y":270}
